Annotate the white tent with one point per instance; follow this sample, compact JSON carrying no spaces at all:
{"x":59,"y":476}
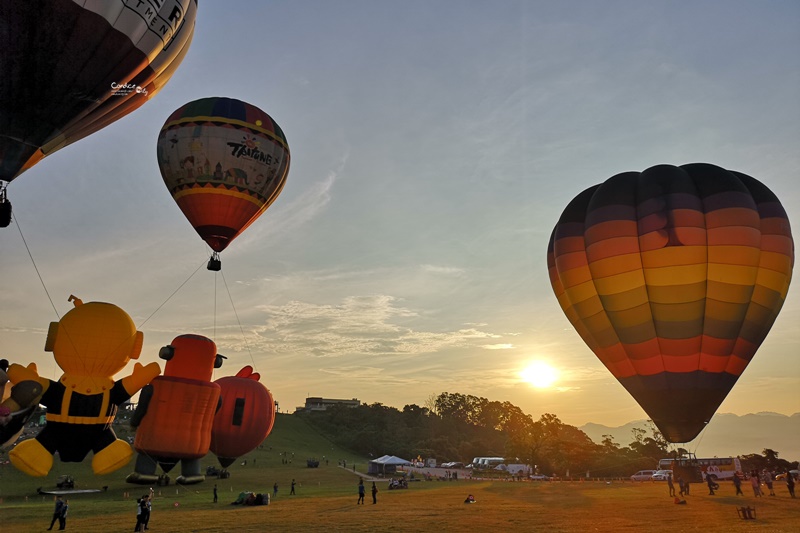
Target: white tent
{"x":386,"y":465}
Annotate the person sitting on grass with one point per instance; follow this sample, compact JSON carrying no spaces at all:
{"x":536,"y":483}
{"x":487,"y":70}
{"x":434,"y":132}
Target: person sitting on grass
{"x":470,"y":499}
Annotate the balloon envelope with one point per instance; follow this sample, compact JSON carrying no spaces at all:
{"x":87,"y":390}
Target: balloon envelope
{"x":224,"y":161}
{"x":71,"y":68}
{"x":673,"y":277}
{"x":245,"y":418}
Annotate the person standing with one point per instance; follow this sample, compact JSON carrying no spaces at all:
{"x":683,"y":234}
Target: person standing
{"x":148,"y":509}
{"x":361,"y":492}
{"x":275,"y":490}
{"x":292,"y":491}
{"x":711,"y":484}
{"x":754,"y":482}
{"x":737,"y":482}
{"x":768,"y":482}
{"x":374,"y":494}
{"x":142,"y":513}
{"x":62,"y":519}
{"x":670,"y":485}
{"x":215,"y":493}
{"x":681,"y":485}
{"x":790,"y":483}
{"x":56,"y":511}
{"x":138,"y":526}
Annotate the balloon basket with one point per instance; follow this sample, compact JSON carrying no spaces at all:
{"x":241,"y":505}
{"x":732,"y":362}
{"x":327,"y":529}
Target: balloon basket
{"x":214,"y":263}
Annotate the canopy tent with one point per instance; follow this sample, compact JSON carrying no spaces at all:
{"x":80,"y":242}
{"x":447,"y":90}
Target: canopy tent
{"x":386,"y":465}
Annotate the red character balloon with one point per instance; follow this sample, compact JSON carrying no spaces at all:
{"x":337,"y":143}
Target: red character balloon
{"x":245,"y":418}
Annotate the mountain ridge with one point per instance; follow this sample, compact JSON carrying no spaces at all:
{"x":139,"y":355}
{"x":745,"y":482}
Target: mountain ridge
{"x":727,"y":434}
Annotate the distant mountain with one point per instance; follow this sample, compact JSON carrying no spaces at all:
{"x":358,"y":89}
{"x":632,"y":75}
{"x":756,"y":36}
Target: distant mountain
{"x":726,"y":435}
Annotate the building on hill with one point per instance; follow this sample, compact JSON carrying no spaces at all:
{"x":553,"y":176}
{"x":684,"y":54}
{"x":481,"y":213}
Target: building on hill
{"x":315,"y":403}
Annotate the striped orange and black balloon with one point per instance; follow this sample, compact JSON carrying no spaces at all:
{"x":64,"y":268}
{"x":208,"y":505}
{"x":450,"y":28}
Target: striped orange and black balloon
{"x":673,"y":277}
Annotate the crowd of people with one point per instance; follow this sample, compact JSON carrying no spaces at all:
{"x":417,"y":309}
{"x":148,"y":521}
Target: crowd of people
{"x":755,"y":478}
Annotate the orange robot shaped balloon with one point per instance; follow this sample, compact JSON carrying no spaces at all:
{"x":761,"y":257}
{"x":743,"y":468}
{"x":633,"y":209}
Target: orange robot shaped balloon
{"x":176,"y":411}
{"x":245,"y":418}
{"x":91,"y":343}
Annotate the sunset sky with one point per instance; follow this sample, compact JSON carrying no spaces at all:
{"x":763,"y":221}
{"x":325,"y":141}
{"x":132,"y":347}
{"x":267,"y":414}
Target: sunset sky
{"x":434,"y":146}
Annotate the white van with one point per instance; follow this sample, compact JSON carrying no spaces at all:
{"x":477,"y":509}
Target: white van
{"x":643,"y":475}
{"x":487,"y":462}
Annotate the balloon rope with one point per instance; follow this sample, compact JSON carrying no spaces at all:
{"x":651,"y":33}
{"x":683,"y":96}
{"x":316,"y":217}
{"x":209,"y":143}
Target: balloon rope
{"x":244,"y":338}
{"x":702,"y":434}
{"x":214,"y":334}
{"x":171,"y":295}
{"x":41,"y":280}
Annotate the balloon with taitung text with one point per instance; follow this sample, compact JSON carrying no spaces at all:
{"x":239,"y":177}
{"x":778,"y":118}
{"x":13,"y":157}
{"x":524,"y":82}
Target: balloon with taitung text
{"x":673,"y":277}
{"x":71,"y":68}
{"x":224,"y":162}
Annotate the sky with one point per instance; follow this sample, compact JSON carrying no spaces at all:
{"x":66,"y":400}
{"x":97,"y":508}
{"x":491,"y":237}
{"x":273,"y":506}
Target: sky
{"x":434,"y":146}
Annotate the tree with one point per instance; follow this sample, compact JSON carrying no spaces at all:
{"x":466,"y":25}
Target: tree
{"x":652,"y":447}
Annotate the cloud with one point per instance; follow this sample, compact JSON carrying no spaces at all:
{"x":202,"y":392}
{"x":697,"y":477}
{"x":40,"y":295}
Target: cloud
{"x":302,"y":209}
{"x":376,"y":325}
{"x":7,"y":329}
{"x":498,"y":346}
{"x":450,"y":271}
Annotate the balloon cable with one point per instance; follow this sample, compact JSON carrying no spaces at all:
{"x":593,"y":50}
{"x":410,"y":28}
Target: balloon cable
{"x":41,"y":280}
{"x":702,"y":434}
{"x":244,"y":338}
{"x":171,"y":295}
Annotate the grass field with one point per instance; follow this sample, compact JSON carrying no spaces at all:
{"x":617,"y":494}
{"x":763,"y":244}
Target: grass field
{"x":326,"y":500}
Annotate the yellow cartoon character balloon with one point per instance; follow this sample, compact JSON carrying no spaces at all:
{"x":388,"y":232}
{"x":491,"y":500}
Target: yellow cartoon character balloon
{"x":91,"y":343}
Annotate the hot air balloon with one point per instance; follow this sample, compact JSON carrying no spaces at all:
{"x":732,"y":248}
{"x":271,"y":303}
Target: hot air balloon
{"x":176,"y":411}
{"x":224,"y":161}
{"x":673,"y":277}
{"x":91,"y":343}
{"x":72,"y":67}
{"x":245,"y":418}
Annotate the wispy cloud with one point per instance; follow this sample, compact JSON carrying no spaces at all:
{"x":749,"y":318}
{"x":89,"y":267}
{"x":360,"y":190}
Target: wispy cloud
{"x":376,"y":325}
{"x":450,"y":271}
{"x":303,"y":208}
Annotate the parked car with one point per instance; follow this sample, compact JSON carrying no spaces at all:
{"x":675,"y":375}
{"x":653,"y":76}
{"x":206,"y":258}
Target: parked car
{"x":782,"y":475}
{"x":65,"y":482}
{"x":539,"y":477}
{"x":661,"y":475}
{"x":643,"y":475}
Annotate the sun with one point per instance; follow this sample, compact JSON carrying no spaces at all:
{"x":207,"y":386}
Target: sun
{"x":540,"y":374}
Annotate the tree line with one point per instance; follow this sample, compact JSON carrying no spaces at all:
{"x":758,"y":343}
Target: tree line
{"x":458,"y":427}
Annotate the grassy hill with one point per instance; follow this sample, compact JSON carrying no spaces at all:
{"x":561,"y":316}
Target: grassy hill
{"x":280,"y":459}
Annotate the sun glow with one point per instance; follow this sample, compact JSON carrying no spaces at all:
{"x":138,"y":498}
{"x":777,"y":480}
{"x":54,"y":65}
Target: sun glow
{"x":540,"y":374}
